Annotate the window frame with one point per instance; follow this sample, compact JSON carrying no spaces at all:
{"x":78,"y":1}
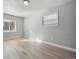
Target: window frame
{"x":5,"y":20}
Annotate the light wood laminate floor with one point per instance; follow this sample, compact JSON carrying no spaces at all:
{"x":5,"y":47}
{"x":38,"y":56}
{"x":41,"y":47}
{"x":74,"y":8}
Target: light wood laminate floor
{"x":23,"y":49}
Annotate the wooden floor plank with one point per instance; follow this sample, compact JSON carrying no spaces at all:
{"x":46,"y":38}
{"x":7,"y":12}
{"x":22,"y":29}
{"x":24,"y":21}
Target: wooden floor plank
{"x":19,"y":49}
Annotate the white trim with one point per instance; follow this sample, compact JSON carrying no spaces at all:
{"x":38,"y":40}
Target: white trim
{"x":52,"y":44}
{"x":60,"y":46}
{"x":14,"y":37}
{"x":56,"y":45}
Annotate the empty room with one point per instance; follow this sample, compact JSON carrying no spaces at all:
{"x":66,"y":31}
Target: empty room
{"x":39,"y":29}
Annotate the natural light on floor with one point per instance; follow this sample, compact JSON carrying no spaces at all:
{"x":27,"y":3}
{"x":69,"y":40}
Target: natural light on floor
{"x":34,"y":40}
{"x":38,"y":40}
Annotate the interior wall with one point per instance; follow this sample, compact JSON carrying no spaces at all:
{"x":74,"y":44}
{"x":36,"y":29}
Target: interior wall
{"x":64,"y":33}
{"x":19,"y":26}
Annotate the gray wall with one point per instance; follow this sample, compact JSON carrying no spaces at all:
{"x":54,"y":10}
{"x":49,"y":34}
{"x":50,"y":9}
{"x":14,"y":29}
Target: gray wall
{"x":19,"y":26}
{"x":63,"y":34}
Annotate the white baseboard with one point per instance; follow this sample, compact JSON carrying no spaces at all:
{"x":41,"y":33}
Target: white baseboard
{"x":14,"y":37}
{"x":53,"y":44}
{"x":60,"y":46}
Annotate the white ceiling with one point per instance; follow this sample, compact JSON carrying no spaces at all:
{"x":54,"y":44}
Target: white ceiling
{"x":16,"y":7}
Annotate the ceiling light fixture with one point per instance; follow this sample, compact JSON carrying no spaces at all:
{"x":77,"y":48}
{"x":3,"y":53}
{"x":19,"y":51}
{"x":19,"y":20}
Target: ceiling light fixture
{"x":26,"y":2}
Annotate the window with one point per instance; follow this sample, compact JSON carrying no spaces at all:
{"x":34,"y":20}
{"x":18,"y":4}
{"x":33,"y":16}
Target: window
{"x":51,"y":19}
{"x":9,"y":25}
